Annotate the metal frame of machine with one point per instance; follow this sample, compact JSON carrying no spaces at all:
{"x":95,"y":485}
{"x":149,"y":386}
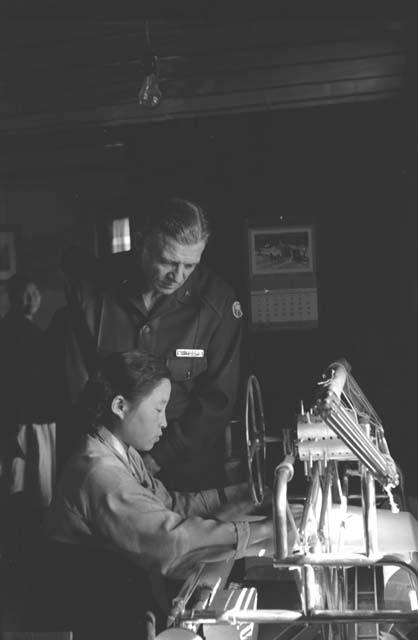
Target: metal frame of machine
{"x":338,"y":439}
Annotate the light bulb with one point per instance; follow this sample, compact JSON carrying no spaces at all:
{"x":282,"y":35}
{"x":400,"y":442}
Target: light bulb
{"x":150,"y":93}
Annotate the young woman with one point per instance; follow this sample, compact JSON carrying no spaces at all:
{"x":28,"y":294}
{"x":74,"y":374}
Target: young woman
{"x":108,"y":499}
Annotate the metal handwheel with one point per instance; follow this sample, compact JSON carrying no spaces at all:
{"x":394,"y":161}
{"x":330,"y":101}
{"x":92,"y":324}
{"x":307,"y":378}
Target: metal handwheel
{"x":255,"y":434}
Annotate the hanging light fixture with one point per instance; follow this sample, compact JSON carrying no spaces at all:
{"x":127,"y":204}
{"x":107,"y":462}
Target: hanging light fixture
{"x":150,"y":93}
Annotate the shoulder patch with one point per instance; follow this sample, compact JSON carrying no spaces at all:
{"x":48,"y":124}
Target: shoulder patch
{"x":236,"y":309}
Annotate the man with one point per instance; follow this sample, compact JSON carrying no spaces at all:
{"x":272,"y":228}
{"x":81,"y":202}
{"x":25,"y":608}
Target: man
{"x":174,"y":307}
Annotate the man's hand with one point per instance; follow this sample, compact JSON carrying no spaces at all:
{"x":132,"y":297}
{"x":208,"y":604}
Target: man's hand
{"x":151,"y":464}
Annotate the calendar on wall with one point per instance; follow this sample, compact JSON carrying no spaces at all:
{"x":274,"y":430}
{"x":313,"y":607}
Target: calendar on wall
{"x":282,"y":277}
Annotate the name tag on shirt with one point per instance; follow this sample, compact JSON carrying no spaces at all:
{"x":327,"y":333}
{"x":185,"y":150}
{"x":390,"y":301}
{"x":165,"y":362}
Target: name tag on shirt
{"x":190,"y":353}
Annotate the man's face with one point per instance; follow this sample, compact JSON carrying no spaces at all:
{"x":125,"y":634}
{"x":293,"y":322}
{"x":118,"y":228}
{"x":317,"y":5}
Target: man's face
{"x":167,"y":264}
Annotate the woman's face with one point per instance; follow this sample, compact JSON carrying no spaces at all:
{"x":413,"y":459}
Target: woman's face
{"x":29,"y":300}
{"x":142,"y":422}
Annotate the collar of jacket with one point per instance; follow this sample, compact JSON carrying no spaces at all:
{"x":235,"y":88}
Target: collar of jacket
{"x":130,"y":458}
{"x":185,"y":295}
{"x":111,"y":441}
{"x":188,"y":291}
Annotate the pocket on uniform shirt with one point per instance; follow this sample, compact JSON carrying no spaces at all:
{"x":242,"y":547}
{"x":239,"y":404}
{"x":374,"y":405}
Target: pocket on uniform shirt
{"x":183,"y":369}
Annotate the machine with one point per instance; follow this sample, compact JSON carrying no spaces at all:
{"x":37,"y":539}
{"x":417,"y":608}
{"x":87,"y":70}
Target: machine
{"x":353,"y":572}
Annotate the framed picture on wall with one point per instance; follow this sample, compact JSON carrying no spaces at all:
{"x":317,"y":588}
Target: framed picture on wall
{"x":282,"y":277}
{"x":8,"y":251}
{"x":281,"y":250}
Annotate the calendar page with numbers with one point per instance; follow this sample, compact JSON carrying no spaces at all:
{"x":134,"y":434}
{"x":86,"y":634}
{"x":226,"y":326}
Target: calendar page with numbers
{"x":282,"y":277}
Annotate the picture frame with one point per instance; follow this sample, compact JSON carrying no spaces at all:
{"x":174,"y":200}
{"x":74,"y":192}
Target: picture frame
{"x":281,"y":250}
{"x":282,"y":278}
{"x":8,"y":251}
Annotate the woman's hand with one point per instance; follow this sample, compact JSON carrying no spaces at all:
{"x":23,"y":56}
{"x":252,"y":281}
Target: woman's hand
{"x":239,"y":502}
{"x":262,"y":533}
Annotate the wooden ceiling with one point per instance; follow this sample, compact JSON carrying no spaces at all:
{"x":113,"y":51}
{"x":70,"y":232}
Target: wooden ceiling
{"x":70,"y":77}
{"x":61,"y":73}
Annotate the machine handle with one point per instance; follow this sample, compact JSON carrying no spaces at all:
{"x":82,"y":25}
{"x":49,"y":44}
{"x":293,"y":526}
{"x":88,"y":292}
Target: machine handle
{"x":282,"y":475}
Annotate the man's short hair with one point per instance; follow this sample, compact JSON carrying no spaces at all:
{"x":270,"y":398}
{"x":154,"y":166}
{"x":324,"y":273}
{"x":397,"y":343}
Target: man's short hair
{"x":180,"y":219}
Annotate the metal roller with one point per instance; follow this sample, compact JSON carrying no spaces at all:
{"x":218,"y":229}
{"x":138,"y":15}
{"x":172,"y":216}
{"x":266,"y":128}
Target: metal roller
{"x":330,"y":449}
{"x":317,"y":441}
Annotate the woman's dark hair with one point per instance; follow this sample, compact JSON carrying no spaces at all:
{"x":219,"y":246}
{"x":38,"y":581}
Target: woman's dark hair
{"x":132,"y":374}
{"x":17,"y":284}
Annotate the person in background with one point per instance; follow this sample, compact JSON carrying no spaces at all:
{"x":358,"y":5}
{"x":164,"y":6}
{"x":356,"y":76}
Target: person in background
{"x":107,"y":499}
{"x":172,"y":306}
{"x":71,"y":348}
{"x":28,"y":430}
